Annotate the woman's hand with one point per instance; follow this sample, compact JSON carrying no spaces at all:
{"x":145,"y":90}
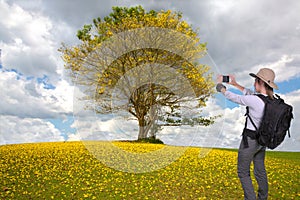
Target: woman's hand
{"x":219,"y":78}
{"x":232,"y":80}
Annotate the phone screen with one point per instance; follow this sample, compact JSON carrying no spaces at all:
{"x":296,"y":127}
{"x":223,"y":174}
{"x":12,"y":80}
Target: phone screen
{"x":225,"y":79}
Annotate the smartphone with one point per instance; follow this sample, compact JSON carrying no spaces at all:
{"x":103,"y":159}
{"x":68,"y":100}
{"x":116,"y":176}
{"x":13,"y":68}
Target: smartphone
{"x":225,"y":79}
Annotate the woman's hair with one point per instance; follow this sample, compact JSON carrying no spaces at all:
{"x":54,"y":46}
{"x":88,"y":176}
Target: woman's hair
{"x":269,"y":90}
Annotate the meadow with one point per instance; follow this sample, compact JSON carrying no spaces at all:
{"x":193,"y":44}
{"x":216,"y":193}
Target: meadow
{"x":67,"y":170}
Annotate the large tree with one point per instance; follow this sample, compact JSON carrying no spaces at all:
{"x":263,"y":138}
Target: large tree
{"x":145,"y":64}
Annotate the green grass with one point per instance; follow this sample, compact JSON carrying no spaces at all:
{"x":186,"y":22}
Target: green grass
{"x":69,"y":171}
{"x":275,"y":154}
{"x":289,"y":156}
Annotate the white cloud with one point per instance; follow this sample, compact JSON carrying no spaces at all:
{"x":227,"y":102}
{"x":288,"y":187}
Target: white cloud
{"x":27,"y":98}
{"x":73,"y":137}
{"x":30,"y":41}
{"x":285,"y":68}
{"x":247,"y":33}
{"x":27,"y":130}
{"x":27,"y":45}
{"x":26,"y":105}
{"x":96,"y":128}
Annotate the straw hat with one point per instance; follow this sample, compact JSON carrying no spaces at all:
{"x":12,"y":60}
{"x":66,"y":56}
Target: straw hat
{"x":266,"y":75}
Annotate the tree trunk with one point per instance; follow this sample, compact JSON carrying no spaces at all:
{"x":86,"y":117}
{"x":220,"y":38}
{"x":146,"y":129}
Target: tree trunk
{"x":153,"y":117}
{"x":142,"y":129}
{"x":142,"y":134}
{"x":147,"y":125}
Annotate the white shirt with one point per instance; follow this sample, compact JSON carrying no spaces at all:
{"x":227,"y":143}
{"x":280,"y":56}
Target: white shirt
{"x":255,"y":104}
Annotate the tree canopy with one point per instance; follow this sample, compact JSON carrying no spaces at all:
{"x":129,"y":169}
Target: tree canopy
{"x":143,"y":63}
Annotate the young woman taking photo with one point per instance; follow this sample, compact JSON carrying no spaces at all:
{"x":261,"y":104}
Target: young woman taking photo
{"x":249,"y":149}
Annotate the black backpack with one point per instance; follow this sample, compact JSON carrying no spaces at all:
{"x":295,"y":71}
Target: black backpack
{"x":275,"y":123}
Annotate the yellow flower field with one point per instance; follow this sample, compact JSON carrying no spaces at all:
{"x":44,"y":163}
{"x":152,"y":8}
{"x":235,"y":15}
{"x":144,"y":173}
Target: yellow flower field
{"x":69,"y":171}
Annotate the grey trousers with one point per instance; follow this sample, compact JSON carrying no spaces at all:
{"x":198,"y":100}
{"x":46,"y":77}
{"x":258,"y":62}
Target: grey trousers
{"x":255,"y":153}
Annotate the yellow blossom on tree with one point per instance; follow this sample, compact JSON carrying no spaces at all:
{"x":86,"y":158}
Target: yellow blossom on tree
{"x":146,"y":63}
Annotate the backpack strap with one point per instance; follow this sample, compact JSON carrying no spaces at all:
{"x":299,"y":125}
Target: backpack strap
{"x":245,"y":140}
{"x":263,"y":97}
{"x":247,"y":132}
{"x":251,"y":120}
{"x":265,"y":100}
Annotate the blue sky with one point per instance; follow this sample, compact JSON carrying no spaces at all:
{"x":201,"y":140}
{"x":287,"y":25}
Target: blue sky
{"x":39,"y":100}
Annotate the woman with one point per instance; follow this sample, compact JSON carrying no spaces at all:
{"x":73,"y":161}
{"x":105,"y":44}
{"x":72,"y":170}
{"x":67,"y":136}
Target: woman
{"x":249,"y":149}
